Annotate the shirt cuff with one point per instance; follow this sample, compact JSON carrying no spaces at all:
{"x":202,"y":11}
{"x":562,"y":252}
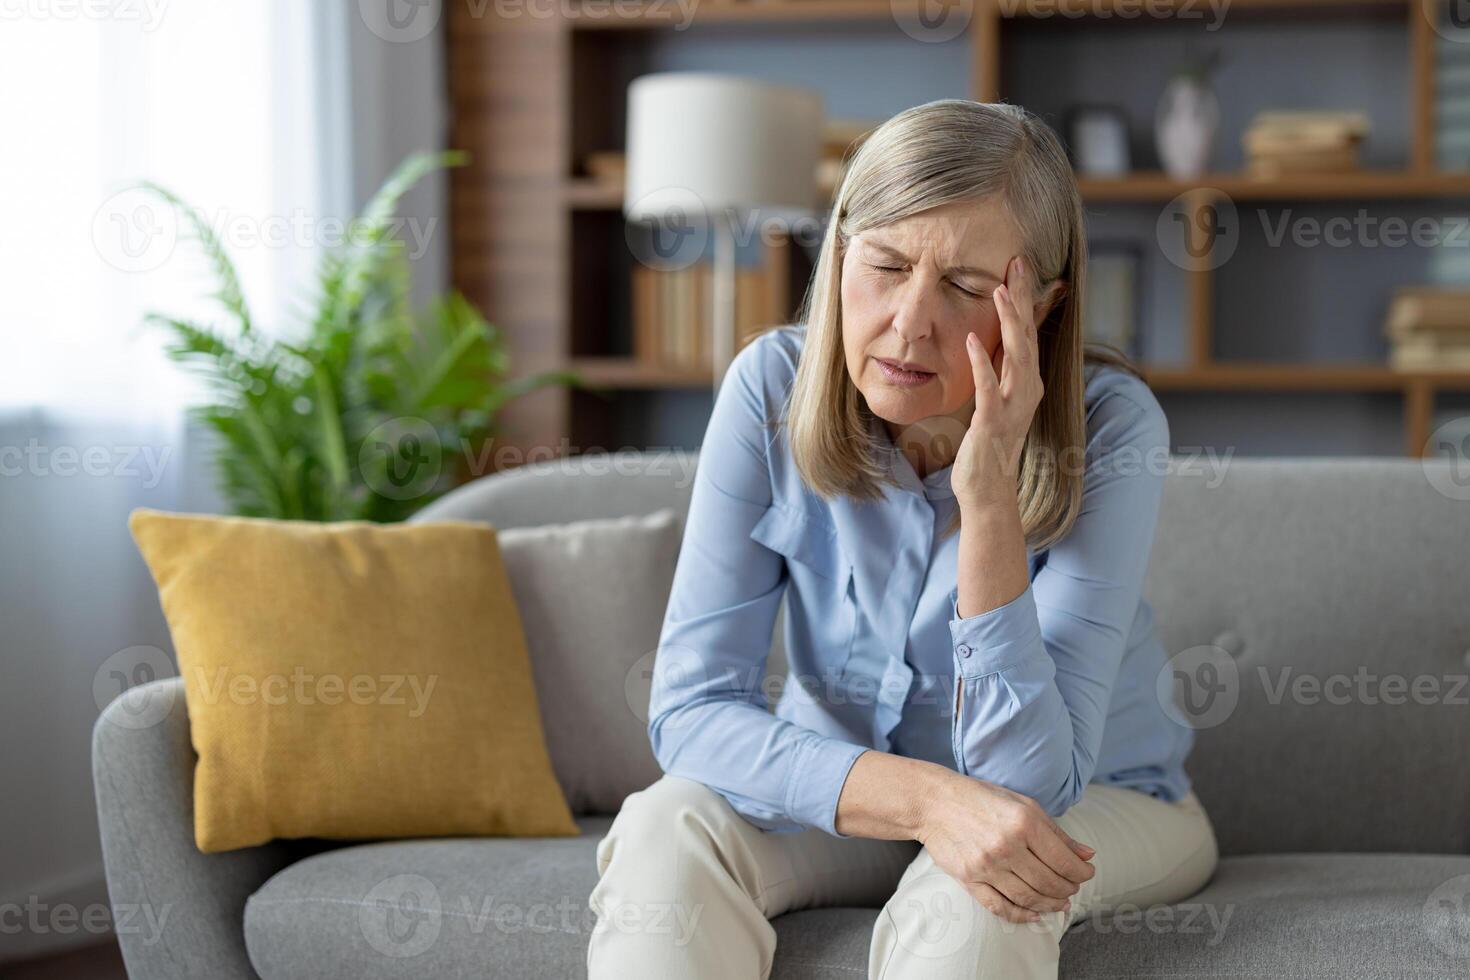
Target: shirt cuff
{"x":995,"y":639}
{"x":816,"y":781}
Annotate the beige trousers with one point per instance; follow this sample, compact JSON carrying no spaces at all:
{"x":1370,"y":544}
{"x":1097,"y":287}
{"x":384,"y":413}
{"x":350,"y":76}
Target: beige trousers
{"x":687,"y":888}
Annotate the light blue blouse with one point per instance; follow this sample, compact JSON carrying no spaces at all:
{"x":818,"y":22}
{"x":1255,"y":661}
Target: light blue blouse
{"x":1058,"y":684}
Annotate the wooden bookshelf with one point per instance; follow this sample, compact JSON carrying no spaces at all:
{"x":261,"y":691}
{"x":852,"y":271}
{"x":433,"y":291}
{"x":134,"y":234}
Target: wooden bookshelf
{"x":535,"y":243}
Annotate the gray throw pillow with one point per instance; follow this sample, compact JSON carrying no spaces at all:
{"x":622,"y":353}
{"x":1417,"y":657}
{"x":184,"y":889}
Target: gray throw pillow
{"x":592,"y":596}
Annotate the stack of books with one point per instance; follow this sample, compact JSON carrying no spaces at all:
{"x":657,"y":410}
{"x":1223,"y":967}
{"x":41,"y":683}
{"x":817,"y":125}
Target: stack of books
{"x":1429,"y":329}
{"x":1452,"y":97}
{"x":673,"y":313}
{"x":1281,"y":142}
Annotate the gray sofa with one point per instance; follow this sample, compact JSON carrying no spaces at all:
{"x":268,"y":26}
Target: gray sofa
{"x":1294,"y":593}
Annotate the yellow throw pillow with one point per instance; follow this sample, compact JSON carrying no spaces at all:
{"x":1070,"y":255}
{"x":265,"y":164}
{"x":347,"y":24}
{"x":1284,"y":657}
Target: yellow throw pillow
{"x":351,"y":680}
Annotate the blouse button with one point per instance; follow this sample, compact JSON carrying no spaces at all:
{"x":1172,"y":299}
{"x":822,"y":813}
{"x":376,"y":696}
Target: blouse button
{"x":963,"y":650}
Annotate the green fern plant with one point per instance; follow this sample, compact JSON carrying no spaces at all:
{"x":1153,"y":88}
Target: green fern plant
{"x":378,"y":410}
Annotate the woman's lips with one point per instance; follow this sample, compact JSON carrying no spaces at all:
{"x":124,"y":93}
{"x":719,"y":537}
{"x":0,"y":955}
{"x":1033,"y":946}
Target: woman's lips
{"x":902,"y":376}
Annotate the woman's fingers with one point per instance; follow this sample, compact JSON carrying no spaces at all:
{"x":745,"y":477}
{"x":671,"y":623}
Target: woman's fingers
{"x":996,"y":903}
{"x":1052,"y":845}
{"x":1015,"y":888}
{"x":1015,"y":302}
{"x":985,"y":377}
{"x":1034,"y":872}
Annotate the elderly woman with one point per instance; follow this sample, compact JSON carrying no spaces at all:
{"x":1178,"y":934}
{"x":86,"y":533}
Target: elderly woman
{"x":957,"y":502}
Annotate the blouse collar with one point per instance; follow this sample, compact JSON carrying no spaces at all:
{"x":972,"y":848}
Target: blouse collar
{"x":934,"y":486}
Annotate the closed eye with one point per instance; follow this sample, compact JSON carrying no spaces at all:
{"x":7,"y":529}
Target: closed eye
{"x":967,"y":292}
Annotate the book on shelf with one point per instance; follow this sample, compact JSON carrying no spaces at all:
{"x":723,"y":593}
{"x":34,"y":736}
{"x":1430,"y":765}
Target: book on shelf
{"x":1278,"y":142}
{"x":673,"y":313}
{"x":1417,"y":310}
{"x":1428,"y":329}
{"x":1425,"y":354}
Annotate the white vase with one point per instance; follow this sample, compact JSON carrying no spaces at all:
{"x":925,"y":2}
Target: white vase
{"x":1185,"y":126}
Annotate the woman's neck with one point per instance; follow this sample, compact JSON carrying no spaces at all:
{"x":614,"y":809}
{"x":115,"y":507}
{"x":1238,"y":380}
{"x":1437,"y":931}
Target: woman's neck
{"x":931,"y":444}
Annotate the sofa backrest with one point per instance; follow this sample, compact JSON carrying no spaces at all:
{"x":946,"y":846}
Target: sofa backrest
{"x":1315,"y":612}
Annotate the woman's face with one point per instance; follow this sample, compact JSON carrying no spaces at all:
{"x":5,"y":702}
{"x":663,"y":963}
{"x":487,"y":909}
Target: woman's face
{"x":911,"y":291}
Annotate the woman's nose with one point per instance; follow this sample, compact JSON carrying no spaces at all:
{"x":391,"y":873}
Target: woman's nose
{"x":913,"y":320}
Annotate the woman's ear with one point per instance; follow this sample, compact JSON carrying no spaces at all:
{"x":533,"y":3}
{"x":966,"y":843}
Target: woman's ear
{"x":1049,"y":299}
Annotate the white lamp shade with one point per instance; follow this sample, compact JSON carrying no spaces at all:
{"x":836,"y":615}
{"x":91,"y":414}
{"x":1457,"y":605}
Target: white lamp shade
{"x":720,"y":141}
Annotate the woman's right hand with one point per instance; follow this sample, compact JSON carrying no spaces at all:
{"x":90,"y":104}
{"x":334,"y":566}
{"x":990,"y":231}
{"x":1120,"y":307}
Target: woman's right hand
{"x":1004,"y":848}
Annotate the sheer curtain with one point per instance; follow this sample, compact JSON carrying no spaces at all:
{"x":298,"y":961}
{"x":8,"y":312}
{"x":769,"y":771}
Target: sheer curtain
{"x":242,"y":109}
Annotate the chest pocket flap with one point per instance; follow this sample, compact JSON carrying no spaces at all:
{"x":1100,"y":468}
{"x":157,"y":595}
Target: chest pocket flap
{"x":803,"y":539}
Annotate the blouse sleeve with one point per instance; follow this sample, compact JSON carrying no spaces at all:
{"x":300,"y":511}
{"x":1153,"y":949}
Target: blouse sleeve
{"x":1035,"y":675}
{"x":708,"y":715}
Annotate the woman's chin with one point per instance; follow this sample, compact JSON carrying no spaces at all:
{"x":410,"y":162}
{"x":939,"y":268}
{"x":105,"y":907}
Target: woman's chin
{"x":897,"y":407}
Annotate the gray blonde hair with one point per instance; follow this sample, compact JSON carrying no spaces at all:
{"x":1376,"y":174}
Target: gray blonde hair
{"x":933,"y":154}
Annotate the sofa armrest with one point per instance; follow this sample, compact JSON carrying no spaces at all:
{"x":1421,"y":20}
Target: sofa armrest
{"x":178,"y":912}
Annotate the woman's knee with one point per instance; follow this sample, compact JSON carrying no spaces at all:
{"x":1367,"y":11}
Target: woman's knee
{"x":670,"y":817}
{"x":932,"y":927}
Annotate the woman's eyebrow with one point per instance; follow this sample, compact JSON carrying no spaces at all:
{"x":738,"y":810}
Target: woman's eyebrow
{"x":959,"y":270}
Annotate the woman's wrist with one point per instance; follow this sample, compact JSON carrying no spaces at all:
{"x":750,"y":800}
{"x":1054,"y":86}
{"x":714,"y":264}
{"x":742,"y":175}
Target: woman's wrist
{"x":889,"y":797}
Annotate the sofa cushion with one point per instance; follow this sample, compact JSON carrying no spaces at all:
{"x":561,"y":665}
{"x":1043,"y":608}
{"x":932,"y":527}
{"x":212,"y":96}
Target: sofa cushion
{"x":592,"y":596}
{"x":1315,"y":610}
{"x":518,"y":908}
{"x":351,"y":680}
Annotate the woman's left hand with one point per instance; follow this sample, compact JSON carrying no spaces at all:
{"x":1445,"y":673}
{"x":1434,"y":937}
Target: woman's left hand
{"x":1008,"y":389}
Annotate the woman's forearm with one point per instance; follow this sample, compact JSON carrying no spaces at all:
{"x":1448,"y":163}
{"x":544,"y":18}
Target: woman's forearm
{"x":992,"y":564}
{"x":885,"y":796}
